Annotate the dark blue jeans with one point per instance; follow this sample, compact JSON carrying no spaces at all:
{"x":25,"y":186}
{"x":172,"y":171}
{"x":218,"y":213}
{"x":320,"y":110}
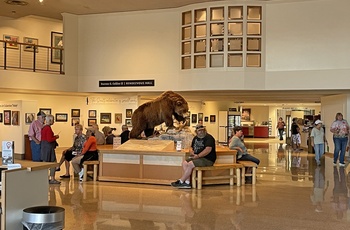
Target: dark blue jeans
{"x":248,"y":157}
{"x":35,"y":151}
{"x":281,"y":131}
{"x":339,"y":149}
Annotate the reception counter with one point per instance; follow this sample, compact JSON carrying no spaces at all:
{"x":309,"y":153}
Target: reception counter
{"x":148,"y":161}
{"x":256,"y":131}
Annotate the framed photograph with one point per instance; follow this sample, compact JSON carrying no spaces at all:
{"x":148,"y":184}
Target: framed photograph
{"x":92,"y":114}
{"x":75,"y":113}
{"x":194,"y":118}
{"x":206,"y":119}
{"x":12,"y":41}
{"x":118,"y":118}
{"x":15,"y":118}
{"x":0,"y":117}
{"x":105,"y":118}
{"x":45,"y":110}
{"x":245,"y":115}
{"x":61,"y":117}
{"x":212,"y":118}
{"x":30,"y":42}
{"x":7,"y":117}
{"x":56,"y":42}
{"x":75,"y":121}
{"x":188,"y":119}
{"x":29,"y":118}
{"x":91,"y":122}
{"x":128,"y":122}
{"x":128,"y":113}
{"x":200,"y":116}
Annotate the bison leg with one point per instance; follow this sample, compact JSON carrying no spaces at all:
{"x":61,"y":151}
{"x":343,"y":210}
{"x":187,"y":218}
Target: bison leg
{"x":149,"y":132}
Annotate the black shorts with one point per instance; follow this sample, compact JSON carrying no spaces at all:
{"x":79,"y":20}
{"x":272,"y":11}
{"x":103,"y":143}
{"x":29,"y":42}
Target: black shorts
{"x":69,"y":155}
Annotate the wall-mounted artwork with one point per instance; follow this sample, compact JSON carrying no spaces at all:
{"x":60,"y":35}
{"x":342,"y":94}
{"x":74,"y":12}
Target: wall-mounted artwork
{"x":0,"y":117}
{"x":7,"y":117}
{"x":118,"y":118}
{"x":45,"y":110}
{"x":56,"y":42}
{"x":11,"y":41}
{"x":75,"y":121}
{"x":92,"y":114}
{"x":29,"y":117}
{"x":15,"y":118}
{"x":188,"y":119}
{"x":212,"y":118}
{"x":91,"y":122}
{"x":128,"y":122}
{"x":30,"y":44}
{"x":61,"y":117}
{"x":128,"y":113}
{"x":75,"y":112}
{"x":245,"y":115}
{"x":200,"y":116}
{"x":206,"y":119}
{"x":194,"y":118}
{"x":105,"y":118}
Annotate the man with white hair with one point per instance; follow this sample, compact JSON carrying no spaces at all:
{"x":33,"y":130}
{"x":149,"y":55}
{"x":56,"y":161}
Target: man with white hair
{"x":34,"y":134}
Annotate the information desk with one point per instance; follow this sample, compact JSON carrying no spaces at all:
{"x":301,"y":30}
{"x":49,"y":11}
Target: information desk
{"x":23,"y":188}
{"x":148,"y":161}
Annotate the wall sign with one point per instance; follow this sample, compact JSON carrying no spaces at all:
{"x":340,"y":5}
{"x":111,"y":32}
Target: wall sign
{"x":126,"y":83}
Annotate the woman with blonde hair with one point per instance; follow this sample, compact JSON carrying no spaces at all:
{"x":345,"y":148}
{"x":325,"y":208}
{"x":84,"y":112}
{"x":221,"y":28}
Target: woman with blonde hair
{"x":48,"y":145}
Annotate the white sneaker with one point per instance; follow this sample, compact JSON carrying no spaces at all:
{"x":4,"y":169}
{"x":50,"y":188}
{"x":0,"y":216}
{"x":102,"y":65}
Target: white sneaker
{"x":341,"y":164}
{"x":81,"y":174}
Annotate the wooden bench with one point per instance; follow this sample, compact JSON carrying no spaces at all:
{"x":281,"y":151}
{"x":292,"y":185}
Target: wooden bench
{"x":198,"y":178}
{"x":247,"y":165}
{"x":94,"y":172}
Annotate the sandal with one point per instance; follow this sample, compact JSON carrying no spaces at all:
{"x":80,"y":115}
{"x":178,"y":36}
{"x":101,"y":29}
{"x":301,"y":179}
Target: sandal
{"x":65,"y":176}
{"x":58,"y":169}
{"x":54,"y":182}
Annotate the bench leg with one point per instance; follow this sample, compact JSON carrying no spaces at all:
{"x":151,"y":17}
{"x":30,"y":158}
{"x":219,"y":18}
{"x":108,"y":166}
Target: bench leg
{"x":243,"y":176}
{"x":95,"y":172}
{"x":254,"y":175}
{"x":85,"y":173}
{"x":231,"y":177}
{"x":238,"y":176}
{"x":194,"y":177}
{"x":199,"y":179}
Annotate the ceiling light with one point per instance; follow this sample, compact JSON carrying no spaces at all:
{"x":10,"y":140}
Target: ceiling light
{"x":41,"y":1}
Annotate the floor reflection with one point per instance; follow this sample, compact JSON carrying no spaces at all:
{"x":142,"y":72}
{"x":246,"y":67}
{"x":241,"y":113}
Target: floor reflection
{"x":291,"y":193}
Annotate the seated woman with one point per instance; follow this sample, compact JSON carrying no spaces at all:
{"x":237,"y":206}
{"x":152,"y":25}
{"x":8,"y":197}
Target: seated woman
{"x":88,"y":153}
{"x":107,"y":131}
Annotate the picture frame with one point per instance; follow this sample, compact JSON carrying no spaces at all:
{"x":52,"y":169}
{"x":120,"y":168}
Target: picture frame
{"x":92,"y":121}
{"x":128,"y":113}
{"x":0,"y":117}
{"x":92,"y":114}
{"x":45,"y":110}
{"x":212,"y":118}
{"x":194,"y":118}
{"x":245,"y":116}
{"x":56,"y":42}
{"x":105,"y":118}
{"x":12,"y":44}
{"x":75,"y":112}
{"x":188,"y":119}
{"x":206,"y":119}
{"x":7,"y":117}
{"x":128,"y":122}
{"x":75,"y":121}
{"x":29,"y":44}
{"x":200,"y":117}
{"x":61,"y":117}
{"x":29,"y":118}
{"x":118,"y":118}
{"x":15,"y":118}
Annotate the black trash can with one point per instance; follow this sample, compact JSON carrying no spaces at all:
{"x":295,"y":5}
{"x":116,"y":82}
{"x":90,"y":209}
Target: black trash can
{"x":43,"y":217}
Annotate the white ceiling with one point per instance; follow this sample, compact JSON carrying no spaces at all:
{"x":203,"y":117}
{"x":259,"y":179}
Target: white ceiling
{"x":54,"y":8}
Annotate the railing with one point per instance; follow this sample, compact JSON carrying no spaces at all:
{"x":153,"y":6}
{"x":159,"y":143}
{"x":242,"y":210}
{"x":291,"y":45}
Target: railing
{"x":36,"y":58}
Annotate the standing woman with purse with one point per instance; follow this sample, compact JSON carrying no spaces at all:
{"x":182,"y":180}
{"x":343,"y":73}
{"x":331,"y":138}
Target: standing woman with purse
{"x":340,"y":129}
{"x":48,"y":145}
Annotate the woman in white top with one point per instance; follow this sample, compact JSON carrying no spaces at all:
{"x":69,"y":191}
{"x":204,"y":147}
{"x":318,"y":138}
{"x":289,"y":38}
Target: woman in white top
{"x":340,"y":130}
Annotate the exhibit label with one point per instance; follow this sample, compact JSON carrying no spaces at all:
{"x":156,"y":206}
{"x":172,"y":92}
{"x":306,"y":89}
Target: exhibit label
{"x":126,"y":83}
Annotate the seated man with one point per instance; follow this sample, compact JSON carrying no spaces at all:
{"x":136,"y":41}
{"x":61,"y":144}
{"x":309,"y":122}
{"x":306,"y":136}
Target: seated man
{"x":125,"y":134}
{"x":69,"y":154}
{"x":100,"y":137}
{"x":236,"y":143}
{"x":202,"y":153}
{"x":89,"y":153}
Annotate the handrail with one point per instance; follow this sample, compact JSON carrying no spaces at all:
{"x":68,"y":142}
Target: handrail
{"x":17,"y":55}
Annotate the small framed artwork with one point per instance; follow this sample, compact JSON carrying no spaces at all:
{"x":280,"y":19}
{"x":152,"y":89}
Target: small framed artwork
{"x":57,"y":46}
{"x":0,"y":117}
{"x":194,"y":118}
{"x":30,"y":44}
{"x":45,"y":110}
{"x":128,"y":122}
{"x":75,"y":112}
{"x":15,"y":117}
{"x":91,"y":122}
{"x":105,"y":118}
{"x":7,"y":117}
{"x":118,"y":118}
{"x":245,"y":115}
{"x":188,"y":119}
{"x":11,"y":41}
{"x":61,"y":117}
{"x":128,"y":113}
{"x":200,"y":116}
{"x":92,"y":114}
{"x":75,"y":121}
{"x":206,"y":119}
{"x":29,"y":118}
{"x":212,"y":118}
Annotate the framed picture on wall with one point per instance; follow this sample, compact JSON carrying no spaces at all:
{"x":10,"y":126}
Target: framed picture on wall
{"x":75,"y":112}
{"x":245,"y":115}
{"x":91,"y":122}
{"x":15,"y":118}
{"x":92,"y":114}
{"x":61,"y":117}
{"x":30,"y":44}
{"x":128,"y":113}
{"x":75,"y":121}
{"x":194,"y":118}
{"x":206,"y":119}
{"x":212,"y":118}
{"x":45,"y":110}
{"x":29,"y":118}
{"x":200,"y":116}
{"x":118,"y":118}
{"x":7,"y":117}
{"x":11,"y":41}
{"x":105,"y":118}
{"x":0,"y":117}
{"x":57,"y":46}
{"x":128,"y":122}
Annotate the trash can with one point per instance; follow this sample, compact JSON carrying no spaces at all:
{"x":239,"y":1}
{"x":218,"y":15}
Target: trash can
{"x":43,"y":217}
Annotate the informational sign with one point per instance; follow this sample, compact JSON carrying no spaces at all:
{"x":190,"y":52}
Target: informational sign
{"x":126,"y":83}
{"x":178,"y":146}
{"x":8,"y":148}
{"x":117,"y":141}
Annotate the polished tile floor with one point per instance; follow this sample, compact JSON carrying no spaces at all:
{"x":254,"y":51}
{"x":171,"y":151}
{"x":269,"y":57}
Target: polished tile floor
{"x":291,"y":193}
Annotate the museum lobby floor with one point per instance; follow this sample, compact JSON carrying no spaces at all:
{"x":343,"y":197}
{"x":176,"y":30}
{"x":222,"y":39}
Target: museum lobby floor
{"x":291,"y":193}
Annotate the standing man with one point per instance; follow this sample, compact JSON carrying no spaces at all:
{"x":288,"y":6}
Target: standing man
{"x":317,"y":141}
{"x":296,"y":140}
{"x":202,"y":153}
{"x":34,"y":134}
{"x":125,"y":134}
